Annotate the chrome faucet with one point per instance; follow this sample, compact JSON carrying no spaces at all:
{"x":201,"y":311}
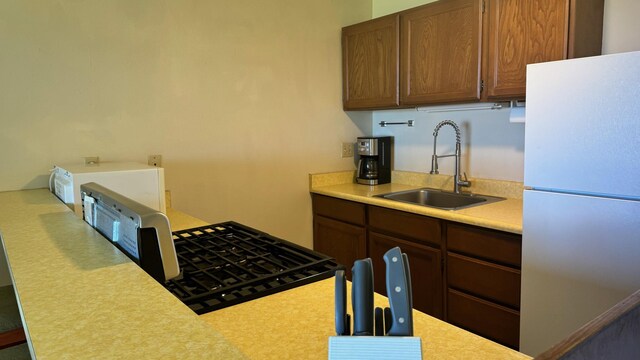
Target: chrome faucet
{"x":457,"y":181}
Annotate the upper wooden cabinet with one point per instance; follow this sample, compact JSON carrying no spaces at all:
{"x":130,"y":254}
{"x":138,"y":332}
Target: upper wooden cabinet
{"x":448,"y":47}
{"x":370,"y":64}
{"x":440,"y":52}
{"x":527,"y":32}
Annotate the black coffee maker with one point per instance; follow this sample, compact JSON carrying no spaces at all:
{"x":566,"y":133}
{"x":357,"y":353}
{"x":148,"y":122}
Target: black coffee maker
{"x":374,"y":167}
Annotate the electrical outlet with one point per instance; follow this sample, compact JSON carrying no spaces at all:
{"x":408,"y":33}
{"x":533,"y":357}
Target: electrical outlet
{"x":347,"y":149}
{"x":155,"y":160}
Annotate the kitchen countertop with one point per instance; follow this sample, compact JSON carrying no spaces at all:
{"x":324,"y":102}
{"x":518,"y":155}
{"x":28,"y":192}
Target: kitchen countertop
{"x":503,"y":215}
{"x":82,"y":298}
{"x":296,"y":324}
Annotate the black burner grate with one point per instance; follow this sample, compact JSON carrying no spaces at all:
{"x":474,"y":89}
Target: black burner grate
{"x":229,"y":263}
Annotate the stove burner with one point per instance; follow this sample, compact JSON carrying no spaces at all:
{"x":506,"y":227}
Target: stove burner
{"x":229,"y":263}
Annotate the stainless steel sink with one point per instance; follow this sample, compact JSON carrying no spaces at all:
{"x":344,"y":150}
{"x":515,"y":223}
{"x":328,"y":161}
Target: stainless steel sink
{"x":440,"y":199}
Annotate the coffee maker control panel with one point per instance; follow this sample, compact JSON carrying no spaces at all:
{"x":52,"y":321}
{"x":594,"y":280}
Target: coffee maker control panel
{"x":368,"y":147}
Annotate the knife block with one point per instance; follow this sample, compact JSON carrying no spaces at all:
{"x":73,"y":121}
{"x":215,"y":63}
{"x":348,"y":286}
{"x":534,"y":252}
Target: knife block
{"x":375,"y":347}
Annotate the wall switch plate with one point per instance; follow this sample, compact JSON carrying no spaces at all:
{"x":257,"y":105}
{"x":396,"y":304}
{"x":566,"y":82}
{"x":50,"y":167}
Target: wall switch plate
{"x":155,"y":160}
{"x":91,"y":160}
{"x":347,"y":149}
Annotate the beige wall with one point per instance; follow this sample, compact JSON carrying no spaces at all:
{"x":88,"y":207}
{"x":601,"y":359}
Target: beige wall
{"x":242,"y":98}
{"x":385,"y":7}
{"x":621,"y":26}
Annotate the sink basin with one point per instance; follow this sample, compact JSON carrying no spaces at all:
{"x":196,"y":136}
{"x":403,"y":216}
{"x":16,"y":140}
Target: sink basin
{"x":440,"y":199}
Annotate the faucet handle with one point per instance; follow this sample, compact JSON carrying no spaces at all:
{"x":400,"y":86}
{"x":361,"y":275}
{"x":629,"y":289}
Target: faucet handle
{"x":464,"y":182}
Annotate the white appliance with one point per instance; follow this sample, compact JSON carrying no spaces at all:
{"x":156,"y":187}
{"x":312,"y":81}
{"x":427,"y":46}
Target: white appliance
{"x":581,"y":225}
{"x":144,"y":234}
{"x":140,"y":182}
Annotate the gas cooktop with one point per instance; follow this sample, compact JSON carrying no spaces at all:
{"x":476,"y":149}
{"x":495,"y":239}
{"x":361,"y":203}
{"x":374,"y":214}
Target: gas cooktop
{"x":208,"y":267}
{"x":229,"y":263}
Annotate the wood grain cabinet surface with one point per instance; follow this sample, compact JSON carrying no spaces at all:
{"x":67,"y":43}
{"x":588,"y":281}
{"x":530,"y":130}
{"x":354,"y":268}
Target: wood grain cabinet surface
{"x":440,"y":53}
{"x":483,"y":281}
{"x":425,"y":265}
{"x":452,"y":51}
{"x":370,"y":64}
{"x":338,"y":230}
{"x":487,"y":319}
{"x":528,"y":32}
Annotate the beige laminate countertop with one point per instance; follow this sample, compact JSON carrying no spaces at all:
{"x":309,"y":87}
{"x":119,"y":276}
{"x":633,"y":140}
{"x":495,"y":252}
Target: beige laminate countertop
{"x":296,"y":324}
{"x":503,"y":215}
{"x":81,"y":298}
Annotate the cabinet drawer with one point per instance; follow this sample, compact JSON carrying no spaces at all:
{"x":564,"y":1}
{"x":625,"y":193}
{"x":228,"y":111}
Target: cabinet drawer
{"x":344,"y":210}
{"x":487,"y":244}
{"x":405,"y":224}
{"x":487,"y":280}
{"x":484,"y":318}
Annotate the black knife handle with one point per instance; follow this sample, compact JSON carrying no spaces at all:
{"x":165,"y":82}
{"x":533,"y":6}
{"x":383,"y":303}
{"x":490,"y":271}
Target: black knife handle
{"x":379,"y":322}
{"x":387,"y":320}
{"x":399,"y":292}
{"x":347,"y":324}
{"x":362,"y":297}
{"x":342,"y":318}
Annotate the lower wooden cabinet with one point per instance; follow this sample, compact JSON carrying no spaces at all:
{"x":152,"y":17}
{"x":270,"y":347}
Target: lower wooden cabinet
{"x":493,"y":282}
{"x":344,"y":242}
{"x":498,"y":323}
{"x":338,"y":230}
{"x":483,"y":280}
{"x":425,"y":264}
{"x":466,"y":275}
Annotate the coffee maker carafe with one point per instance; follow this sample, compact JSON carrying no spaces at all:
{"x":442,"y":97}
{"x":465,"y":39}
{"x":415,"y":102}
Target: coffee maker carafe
{"x":374,"y":167}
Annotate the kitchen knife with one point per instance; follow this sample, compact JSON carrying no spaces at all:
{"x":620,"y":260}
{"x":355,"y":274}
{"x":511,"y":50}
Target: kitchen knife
{"x":387,"y":320}
{"x":342,"y":318}
{"x":399,"y":292}
{"x":362,"y":297}
{"x":379,"y":322}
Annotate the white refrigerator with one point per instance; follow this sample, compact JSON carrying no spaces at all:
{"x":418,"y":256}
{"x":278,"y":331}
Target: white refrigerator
{"x":581,"y":216}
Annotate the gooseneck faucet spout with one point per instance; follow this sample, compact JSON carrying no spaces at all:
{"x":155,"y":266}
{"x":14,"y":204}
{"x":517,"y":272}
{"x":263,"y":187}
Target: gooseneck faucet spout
{"x":457,"y":180}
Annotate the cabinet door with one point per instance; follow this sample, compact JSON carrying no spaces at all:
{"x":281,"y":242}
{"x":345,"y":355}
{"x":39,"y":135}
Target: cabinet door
{"x":521,"y":33}
{"x":370,"y":64}
{"x":425,"y":266}
{"x":441,"y":52}
{"x":344,"y":242}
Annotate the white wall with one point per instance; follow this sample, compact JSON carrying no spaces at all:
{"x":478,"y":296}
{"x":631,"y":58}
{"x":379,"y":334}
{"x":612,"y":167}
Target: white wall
{"x":492,"y":147}
{"x":242,"y":98}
